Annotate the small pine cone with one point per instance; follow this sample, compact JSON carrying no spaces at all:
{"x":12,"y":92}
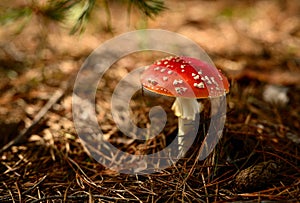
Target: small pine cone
{"x":256,"y":177}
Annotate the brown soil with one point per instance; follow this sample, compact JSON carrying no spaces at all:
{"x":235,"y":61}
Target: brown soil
{"x":255,"y":43}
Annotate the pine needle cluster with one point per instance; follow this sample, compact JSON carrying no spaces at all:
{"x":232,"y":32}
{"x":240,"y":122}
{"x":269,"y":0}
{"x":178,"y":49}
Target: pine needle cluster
{"x":58,"y":11}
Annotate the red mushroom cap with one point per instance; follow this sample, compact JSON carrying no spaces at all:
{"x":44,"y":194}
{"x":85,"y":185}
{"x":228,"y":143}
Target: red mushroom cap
{"x":184,"y":77}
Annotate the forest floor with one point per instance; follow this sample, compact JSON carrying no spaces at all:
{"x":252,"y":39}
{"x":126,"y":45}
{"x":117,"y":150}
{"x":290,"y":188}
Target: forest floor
{"x":256,"y":45}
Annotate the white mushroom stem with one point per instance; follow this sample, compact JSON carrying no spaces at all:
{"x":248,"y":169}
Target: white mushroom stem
{"x":185,"y":109}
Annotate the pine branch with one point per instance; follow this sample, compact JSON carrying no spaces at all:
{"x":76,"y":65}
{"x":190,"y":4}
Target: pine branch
{"x":58,"y":10}
{"x":150,"y":8}
{"x":84,"y":16}
{"x":8,"y":15}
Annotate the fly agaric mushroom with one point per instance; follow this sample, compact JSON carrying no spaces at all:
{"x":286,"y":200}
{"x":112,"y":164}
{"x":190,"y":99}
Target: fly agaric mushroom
{"x":187,"y":79}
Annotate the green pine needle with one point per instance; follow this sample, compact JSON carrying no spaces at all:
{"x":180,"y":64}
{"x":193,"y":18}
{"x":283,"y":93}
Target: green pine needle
{"x":11,"y":15}
{"x":79,"y":26}
{"x":58,"y":10}
{"x":150,"y":8}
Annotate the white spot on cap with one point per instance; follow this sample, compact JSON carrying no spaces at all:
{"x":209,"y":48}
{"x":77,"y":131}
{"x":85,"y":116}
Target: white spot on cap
{"x":176,"y":82}
{"x":182,"y":66}
{"x":180,"y":90}
{"x":193,"y":74}
{"x":214,"y":81}
{"x":220,"y":76}
{"x":170,"y":72}
{"x":199,"y":85}
{"x":206,"y":78}
{"x":165,"y":78}
{"x":162,"y":70}
{"x":166,"y":62}
{"x":200,"y":72}
{"x":156,"y":68}
{"x":197,"y":77}
{"x":153,"y":82}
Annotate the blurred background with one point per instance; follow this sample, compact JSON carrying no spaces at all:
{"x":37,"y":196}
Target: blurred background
{"x":44,"y":43}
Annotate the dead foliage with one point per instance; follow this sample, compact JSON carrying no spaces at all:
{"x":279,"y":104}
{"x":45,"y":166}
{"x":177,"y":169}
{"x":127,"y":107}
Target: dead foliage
{"x":257,"y":158}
